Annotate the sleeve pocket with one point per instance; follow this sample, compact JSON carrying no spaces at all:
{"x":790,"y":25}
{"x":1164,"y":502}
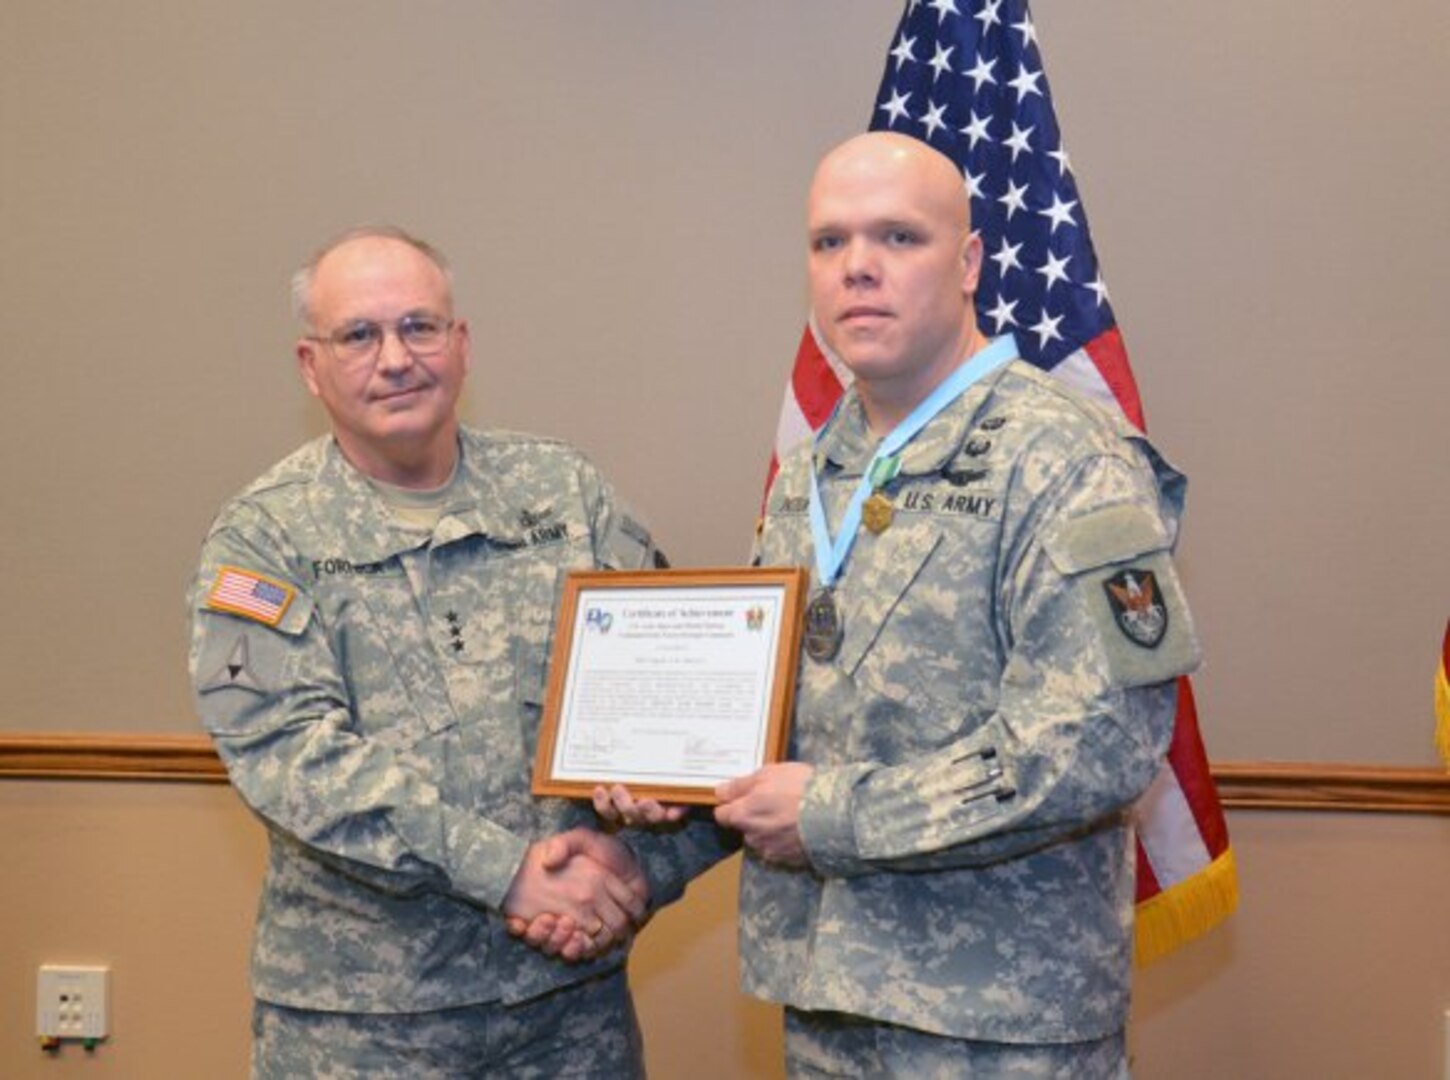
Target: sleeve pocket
{"x":1116,"y":560}
{"x":1109,"y":535}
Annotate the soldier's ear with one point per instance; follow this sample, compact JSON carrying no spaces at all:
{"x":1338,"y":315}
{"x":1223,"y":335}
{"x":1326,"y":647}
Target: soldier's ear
{"x":971,"y":265}
{"x":464,"y":342}
{"x":307,"y":364}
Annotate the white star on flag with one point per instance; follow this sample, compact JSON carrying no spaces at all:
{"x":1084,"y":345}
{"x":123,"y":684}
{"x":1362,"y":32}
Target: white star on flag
{"x":976,"y":130}
{"x":1060,"y":212}
{"x":1054,"y":270}
{"x":988,"y":16}
{"x":1018,"y":140}
{"x":982,"y":72}
{"x":1015,"y":198}
{"x":943,"y":8}
{"x":942,"y":61}
{"x":933,"y":121}
{"x":1006,"y":258}
{"x":902,"y":54}
{"x":1025,"y":83}
{"x":896,"y":108}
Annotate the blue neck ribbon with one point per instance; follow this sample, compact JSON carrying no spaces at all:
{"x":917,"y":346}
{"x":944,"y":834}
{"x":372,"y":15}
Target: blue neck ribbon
{"x":831,"y":554}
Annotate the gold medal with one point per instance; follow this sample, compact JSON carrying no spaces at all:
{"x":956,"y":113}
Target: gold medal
{"x":877,"y":513}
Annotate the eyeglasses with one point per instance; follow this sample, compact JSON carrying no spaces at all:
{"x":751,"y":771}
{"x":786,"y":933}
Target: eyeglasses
{"x":358,"y":342}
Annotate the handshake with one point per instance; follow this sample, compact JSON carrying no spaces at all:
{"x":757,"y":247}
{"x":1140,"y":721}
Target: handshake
{"x":582,"y":892}
{"x":577,"y":895}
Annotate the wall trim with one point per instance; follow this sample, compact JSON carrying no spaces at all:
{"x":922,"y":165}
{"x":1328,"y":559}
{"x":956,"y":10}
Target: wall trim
{"x":1289,"y":785}
{"x":1252,"y":785}
{"x":104,"y":756}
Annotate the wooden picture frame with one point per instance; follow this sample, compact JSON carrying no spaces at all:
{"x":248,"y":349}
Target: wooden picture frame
{"x":669,"y":681}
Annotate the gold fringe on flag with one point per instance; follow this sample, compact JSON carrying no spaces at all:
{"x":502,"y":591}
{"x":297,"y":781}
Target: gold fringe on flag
{"x":1442,"y":701}
{"x":1187,"y":910}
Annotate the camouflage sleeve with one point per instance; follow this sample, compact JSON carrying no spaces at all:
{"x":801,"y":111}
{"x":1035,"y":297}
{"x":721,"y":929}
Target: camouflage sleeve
{"x":274,"y":699}
{"x":621,"y":541}
{"x":1098,"y":630}
{"x":673,"y":856}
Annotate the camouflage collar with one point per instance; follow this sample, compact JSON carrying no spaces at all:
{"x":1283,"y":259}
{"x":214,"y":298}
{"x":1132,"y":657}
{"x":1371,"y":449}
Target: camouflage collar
{"x":346,"y":505}
{"x":848,"y":443}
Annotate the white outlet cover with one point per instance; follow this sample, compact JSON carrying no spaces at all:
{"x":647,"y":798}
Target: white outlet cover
{"x":71,"y":1002}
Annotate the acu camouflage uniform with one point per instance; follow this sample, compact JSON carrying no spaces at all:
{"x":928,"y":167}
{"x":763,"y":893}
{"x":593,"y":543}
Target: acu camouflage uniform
{"x":1002,"y":696}
{"x":384,"y":728}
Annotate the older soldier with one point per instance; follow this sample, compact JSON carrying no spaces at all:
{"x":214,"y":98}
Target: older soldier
{"x":940,"y":883}
{"x":368,"y":654}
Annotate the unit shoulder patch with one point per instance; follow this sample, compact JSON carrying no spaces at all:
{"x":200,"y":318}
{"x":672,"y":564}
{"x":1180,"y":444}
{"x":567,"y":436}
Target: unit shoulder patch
{"x":1137,"y":606}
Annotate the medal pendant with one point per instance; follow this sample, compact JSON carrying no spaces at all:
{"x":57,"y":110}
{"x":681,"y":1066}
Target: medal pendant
{"x":824,"y":629}
{"x":877,"y":513}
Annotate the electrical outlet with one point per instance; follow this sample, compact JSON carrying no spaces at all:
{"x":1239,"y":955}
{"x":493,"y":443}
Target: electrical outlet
{"x":70,"y":1002}
{"x":1447,"y":1044}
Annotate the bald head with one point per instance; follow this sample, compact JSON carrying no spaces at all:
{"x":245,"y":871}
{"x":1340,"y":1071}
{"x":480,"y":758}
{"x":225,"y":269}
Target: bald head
{"x":304,"y":279}
{"x":893,"y":268}
{"x":884,"y":157}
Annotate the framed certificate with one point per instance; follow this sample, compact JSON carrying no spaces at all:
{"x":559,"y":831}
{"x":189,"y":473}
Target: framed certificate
{"x":669,"y":681}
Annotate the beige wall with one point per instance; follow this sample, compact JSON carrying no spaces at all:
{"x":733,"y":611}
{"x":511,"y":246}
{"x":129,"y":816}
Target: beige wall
{"x":620,"y":187}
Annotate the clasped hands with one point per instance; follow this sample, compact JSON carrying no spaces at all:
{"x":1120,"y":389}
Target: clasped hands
{"x":580,"y":893}
{"x":577,"y":895}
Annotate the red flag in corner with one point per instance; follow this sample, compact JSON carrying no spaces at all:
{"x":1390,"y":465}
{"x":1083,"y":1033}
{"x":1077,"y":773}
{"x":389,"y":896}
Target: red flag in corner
{"x":1442,"y":700}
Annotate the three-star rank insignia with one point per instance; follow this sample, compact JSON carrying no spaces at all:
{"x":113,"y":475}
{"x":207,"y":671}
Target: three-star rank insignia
{"x":455,"y":632}
{"x":1137,"y":607}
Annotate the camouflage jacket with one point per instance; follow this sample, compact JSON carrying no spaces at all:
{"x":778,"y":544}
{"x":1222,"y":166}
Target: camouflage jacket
{"x":1002,"y":695}
{"x":375,"y":697}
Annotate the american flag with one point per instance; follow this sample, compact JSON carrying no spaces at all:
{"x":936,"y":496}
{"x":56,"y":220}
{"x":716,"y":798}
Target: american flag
{"x":966,"y":76}
{"x":243,"y":592}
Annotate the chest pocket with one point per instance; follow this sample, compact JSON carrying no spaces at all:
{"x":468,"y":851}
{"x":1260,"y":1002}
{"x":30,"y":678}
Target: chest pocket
{"x":383,"y":649}
{"x":488,"y":596}
{"x":917,"y":609}
{"x":926,"y":676}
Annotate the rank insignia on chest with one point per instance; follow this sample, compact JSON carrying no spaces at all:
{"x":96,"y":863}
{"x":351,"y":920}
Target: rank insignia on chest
{"x":454,"y":629}
{"x":963,"y":477}
{"x":1137,"y":606}
{"x":976,"y":447}
{"x":877,"y":513}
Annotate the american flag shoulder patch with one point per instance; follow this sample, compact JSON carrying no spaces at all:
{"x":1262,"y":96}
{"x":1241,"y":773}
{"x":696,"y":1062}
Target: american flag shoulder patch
{"x":247,"y":593}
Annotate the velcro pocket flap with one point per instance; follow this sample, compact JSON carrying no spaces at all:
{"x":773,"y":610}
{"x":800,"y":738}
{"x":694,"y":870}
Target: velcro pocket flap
{"x":1109,"y":535}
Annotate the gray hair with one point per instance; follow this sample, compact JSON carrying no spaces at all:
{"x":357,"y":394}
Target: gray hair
{"x":302,"y":280}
